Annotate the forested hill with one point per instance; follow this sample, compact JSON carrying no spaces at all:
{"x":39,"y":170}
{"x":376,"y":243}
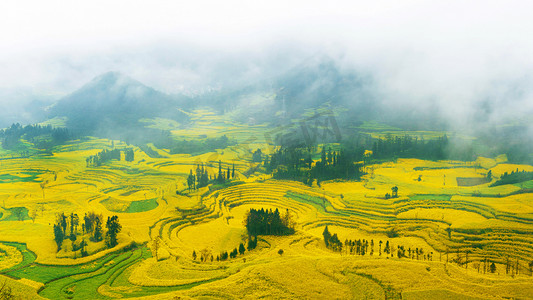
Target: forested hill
{"x":114,"y":102}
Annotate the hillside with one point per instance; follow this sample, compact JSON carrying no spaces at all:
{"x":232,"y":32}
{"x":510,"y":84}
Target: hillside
{"x":113,"y":103}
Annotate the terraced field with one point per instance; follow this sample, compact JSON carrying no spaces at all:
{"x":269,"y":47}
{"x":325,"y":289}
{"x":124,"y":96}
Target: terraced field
{"x":449,"y":222}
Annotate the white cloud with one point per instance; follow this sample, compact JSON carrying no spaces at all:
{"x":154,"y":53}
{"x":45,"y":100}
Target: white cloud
{"x":455,"y":53}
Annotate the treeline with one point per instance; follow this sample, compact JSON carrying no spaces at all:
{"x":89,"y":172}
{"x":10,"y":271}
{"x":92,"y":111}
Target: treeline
{"x":296,"y":163}
{"x":268,"y":222}
{"x":43,"y":137}
{"x":366,"y":247}
{"x":202,"y":146}
{"x":107,"y":155}
{"x":163,"y":139}
{"x":206,"y":255}
{"x":513,"y":177}
{"x":202,"y":178}
{"x":67,"y":227}
{"x":410,"y":147}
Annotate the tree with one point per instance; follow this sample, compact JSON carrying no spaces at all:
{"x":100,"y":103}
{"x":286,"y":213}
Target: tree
{"x":387,"y":248}
{"x":280,"y":252}
{"x":394,"y":193}
{"x":33,"y":215}
{"x":493,"y":268}
{"x":97,"y":230}
{"x":63,"y":222}
{"x":113,"y":228}
{"x":193,"y":255}
{"x":241,"y":249}
{"x":252,"y":243}
{"x":74,"y":221}
{"x":43,"y":185}
{"x":257,"y":156}
{"x":204,"y":254}
{"x":58,"y":236}
{"x":190,"y":181}
{"x":327,"y":236}
{"x":157,"y":243}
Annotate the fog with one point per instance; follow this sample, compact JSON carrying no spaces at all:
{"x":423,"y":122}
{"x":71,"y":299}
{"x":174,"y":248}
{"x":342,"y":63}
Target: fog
{"x":471,"y":62}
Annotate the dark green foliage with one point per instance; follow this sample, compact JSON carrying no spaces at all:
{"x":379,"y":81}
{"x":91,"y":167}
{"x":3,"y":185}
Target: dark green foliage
{"x":493,"y":268}
{"x":241,"y":249}
{"x":102,"y":157}
{"x":280,"y":251}
{"x":295,"y":163}
{"x":224,"y":255}
{"x":129,"y":154}
{"x":58,"y":236}
{"x":410,"y":147}
{"x":113,"y":228}
{"x":327,"y":235}
{"x":91,"y":219}
{"x":200,"y":180}
{"x":44,"y":137}
{"x":233,"y":253}
{"x":195,"y":146}
{"x":257,"y":156}
{"x":513,"y":177}
{"x":266,"y":222}
{"x":97,"y":231}
{"x":252,"y":243}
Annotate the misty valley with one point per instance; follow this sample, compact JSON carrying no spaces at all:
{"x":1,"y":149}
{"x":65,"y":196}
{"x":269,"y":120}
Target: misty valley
{"x":302,"y":187}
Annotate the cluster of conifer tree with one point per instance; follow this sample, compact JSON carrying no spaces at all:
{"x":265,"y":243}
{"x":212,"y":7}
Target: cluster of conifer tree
{"x":106,"y":155}
{"x":513,"y":177}
{"x":163,"y":139}
{"x":67,"y":227}
{"x":268,"y":222}
{"x":202,"y":177}
{"x":44,"y":137}
{"x":296,"y":163}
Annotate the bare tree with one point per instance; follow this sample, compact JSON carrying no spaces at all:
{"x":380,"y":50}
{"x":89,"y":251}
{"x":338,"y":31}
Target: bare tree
{"x":33,"y":215}
{"x":43,"y":185}
{"x":157,"y":244}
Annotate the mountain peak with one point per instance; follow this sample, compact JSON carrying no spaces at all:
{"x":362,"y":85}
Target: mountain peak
{"x":113,"y":100}
{"x":113,"y":78}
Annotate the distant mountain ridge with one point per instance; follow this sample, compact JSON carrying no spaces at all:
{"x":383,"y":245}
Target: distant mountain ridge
{"x":114,"y":101}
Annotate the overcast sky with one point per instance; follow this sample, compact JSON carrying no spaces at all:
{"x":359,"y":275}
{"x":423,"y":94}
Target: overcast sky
{"x":454,"y":52}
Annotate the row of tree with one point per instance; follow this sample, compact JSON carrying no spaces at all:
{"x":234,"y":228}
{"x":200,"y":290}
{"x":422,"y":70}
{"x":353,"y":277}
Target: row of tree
{"x":410,"y":147}
{"x":106,"y":155}
{"x":44,"y":137}
{"x":268,"y":222}
{"x":364,"y":247}
{"x":205,"y":254}
{"x":513,"y":177}
{"x":202,"y":177}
